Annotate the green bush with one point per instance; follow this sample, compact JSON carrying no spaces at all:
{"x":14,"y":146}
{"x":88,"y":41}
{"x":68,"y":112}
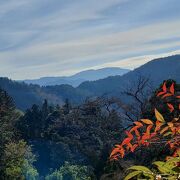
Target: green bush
{"x":70,"y":172}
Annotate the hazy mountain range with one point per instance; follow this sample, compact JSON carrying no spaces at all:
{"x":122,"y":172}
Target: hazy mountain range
{"x":77,"y":79}
{"x":156,"y":70}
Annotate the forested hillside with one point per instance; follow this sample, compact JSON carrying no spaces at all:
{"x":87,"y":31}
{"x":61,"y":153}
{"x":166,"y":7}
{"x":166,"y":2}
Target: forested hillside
{"x":53,"y":142}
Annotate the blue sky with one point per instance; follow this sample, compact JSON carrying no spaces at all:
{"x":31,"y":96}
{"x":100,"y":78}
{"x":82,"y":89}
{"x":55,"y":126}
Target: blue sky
{"x":61,"y":37}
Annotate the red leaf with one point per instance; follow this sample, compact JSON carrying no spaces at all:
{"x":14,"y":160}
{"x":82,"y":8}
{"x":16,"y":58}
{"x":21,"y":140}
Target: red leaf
{"x":171,"y":107}
{"x":139,"y":124}
{"x":115,"y":158}
{"x":161,"y":93}
{"x":153,"y":135}
{"x":172,"y":145}
{"x":129,"y":134}
{"x":167,"y":95}
{"x":148,"y":129}
{"x":172,"y":88}
{"x":129,"y":146}
{"x":116,"y":151}
{"x":126,"y":141}
{"x":171,"y":126}
{"x":134,"y":147}
{"x":122,"y":153}
{"x":158,"y":126}
{"x":147,"y":135}
{"x":164,"y":87}
{"x":137,"y":133}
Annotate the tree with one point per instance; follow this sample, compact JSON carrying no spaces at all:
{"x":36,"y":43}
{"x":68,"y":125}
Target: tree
{"x":31,"y":124}
{"x":18,"y":162}
{"x":8,"y":118}
{"x":66,"y":107}
{"x":70,"y":172}
{"x":146,"y":132}
{"x":137,"y":95}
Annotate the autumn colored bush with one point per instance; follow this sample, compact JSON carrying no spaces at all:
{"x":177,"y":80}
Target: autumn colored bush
{"x":157,"y":131}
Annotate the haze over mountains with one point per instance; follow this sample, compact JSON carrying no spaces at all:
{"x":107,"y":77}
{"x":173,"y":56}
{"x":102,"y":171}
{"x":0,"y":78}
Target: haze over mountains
{"x":156,"y":70}
{"x":76,"y":79}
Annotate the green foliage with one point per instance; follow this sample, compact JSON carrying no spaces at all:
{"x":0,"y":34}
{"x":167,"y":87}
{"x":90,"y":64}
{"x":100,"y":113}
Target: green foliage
{"x":79,"y":135}
{"x":170,"y":168}
{"x":14,"y":159}
{"x":15,"y":155}
{"x":8,"y":118}
{"x":132,"y":175}
{"x":18,"y":160}
{"x":167,"y":169}
{"x":28,"y":170}
{"x":70,"y":172}
{"x":140,"y":172}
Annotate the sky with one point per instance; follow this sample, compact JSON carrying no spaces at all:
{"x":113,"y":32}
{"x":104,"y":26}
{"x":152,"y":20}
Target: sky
{"x":61,"y":37}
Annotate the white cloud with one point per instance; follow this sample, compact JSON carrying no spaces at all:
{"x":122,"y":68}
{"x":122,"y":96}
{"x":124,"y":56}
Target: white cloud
{"x":77,"y":35}
{"x":134,"y":62}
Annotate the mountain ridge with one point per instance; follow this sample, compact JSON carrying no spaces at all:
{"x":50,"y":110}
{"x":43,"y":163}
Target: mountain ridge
{"x":78,"y":78}
{"x":156,"y":70}
{"x":164,"y":68}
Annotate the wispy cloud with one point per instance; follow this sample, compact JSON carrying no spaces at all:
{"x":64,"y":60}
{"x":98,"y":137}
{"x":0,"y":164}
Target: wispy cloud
{"x":60,"y":37}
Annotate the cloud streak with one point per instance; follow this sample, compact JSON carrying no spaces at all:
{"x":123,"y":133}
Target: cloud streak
{"x":61,"y":37}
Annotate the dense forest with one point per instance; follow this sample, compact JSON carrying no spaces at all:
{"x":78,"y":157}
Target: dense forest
{"x":64,"y":142}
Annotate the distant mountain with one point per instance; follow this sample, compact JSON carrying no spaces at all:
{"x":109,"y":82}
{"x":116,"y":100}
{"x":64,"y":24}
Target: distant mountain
{"x":156,"y":70}
{"x":77,"y":79}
